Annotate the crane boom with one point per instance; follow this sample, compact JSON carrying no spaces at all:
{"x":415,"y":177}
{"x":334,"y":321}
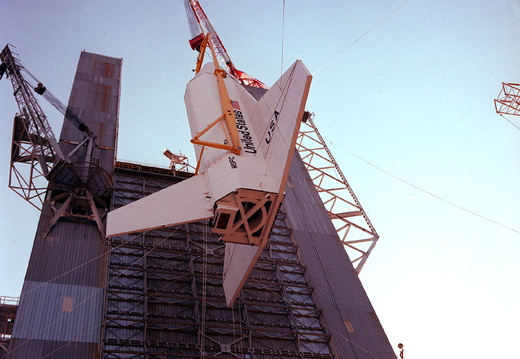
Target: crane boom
{"x":195,"y":12}
{"x":31,"y":123}
{"x":12,"y":65}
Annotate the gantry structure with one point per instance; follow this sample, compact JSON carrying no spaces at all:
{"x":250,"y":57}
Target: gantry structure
{"x":165,"y":297}
{"x":158,"y":294}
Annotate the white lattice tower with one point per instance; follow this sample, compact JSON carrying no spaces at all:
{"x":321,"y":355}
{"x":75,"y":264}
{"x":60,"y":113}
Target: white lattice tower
{"x":354,"y":228}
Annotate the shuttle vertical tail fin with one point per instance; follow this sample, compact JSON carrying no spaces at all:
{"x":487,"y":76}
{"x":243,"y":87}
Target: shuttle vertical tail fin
{"x":276,"y":121}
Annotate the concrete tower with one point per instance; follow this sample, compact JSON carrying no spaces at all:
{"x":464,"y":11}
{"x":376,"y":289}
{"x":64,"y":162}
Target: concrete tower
{"x":61,"y":304}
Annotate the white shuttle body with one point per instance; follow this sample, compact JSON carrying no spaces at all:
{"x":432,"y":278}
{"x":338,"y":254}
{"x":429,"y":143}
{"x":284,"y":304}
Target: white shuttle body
{"x":244,"y":146}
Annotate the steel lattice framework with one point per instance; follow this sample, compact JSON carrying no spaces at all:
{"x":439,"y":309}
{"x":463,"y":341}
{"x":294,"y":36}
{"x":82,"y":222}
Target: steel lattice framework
{"x":354,"y":228}
{"x":165,"y":298}
{"x":34,"y":146}
{"x":508,"y":101}
{"x":8,"y":308}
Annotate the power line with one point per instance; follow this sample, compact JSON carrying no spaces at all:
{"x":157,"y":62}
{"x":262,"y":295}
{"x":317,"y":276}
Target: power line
{"x":427,"y":192}
{"x":511,"y":122}
{"x":360,"y":37}
{"x":283,"y":37}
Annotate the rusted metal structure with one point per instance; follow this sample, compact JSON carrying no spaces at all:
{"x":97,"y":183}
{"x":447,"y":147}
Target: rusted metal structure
{"x":8,"y":308}
{"x":352,"y":224}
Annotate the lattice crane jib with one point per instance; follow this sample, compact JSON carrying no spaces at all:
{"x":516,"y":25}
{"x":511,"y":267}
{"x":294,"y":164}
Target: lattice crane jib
{"x":200,"y":27}
{"x":34,"y":150}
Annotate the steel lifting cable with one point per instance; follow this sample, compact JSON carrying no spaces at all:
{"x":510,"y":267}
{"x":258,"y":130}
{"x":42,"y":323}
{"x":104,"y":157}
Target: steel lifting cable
{"x":427,"y":192}
{"x":79,"y":266}
{"x":325,"y":326}
{"x":360,"y":37}
{"x":54,"y":101}
{"x":234,"y":323}
{"x":192,"y":22}
{"x":113,"y":279}
{"x":205,"y":248}
{"x":283,"y":36}
{"x":94,"y":259}
{"x":511,"y":122}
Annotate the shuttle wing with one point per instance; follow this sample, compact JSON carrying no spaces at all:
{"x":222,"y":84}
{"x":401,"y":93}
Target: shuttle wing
{"x":183,"y":202}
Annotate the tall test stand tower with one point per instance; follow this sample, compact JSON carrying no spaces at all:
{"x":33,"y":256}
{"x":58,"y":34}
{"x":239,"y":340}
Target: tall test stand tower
{"x":158,"y":293}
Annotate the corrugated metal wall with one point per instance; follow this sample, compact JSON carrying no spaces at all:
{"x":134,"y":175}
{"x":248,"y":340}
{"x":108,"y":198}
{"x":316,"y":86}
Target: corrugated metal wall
{"x":60,"y":309}
{"x":165,"y":296}
{"x":95,"y":99}
{"x":346,"y":309}
{"x":303,"y":298}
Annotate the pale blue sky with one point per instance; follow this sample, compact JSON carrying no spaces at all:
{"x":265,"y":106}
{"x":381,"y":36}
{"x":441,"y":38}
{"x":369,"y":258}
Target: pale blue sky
{"x":414,"y":97}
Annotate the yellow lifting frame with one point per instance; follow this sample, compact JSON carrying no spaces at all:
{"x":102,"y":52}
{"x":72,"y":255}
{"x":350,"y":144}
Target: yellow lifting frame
{"x":228,"y":117}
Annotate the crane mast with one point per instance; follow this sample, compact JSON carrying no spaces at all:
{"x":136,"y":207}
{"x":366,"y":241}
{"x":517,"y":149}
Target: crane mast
{"x":34,"y":150}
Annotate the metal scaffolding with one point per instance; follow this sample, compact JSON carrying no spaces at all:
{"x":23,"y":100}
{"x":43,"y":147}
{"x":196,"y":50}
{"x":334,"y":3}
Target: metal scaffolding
{"x":165,"y":298}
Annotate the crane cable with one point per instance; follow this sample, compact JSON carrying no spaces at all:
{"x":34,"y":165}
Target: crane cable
{"x":427,"y":192}
{"x":92,"y":295}
{"x":360,"y":37}
{"x":205,"y":249}
{"x":192,"y":21}
{"x":283,"y":37}
{"x":56,"y":103}
{"x":511,"y":122}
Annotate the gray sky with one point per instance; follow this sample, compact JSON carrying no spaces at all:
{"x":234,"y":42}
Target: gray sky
{"x":412,"y":98}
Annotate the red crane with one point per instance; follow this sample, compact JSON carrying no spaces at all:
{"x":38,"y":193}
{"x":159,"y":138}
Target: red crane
{"x":200,"y":28}
{"x":508,"y":101}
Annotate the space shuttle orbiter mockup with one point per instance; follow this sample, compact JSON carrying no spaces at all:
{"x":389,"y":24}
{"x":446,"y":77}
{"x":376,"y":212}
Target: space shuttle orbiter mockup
{"x":244,"y":144}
